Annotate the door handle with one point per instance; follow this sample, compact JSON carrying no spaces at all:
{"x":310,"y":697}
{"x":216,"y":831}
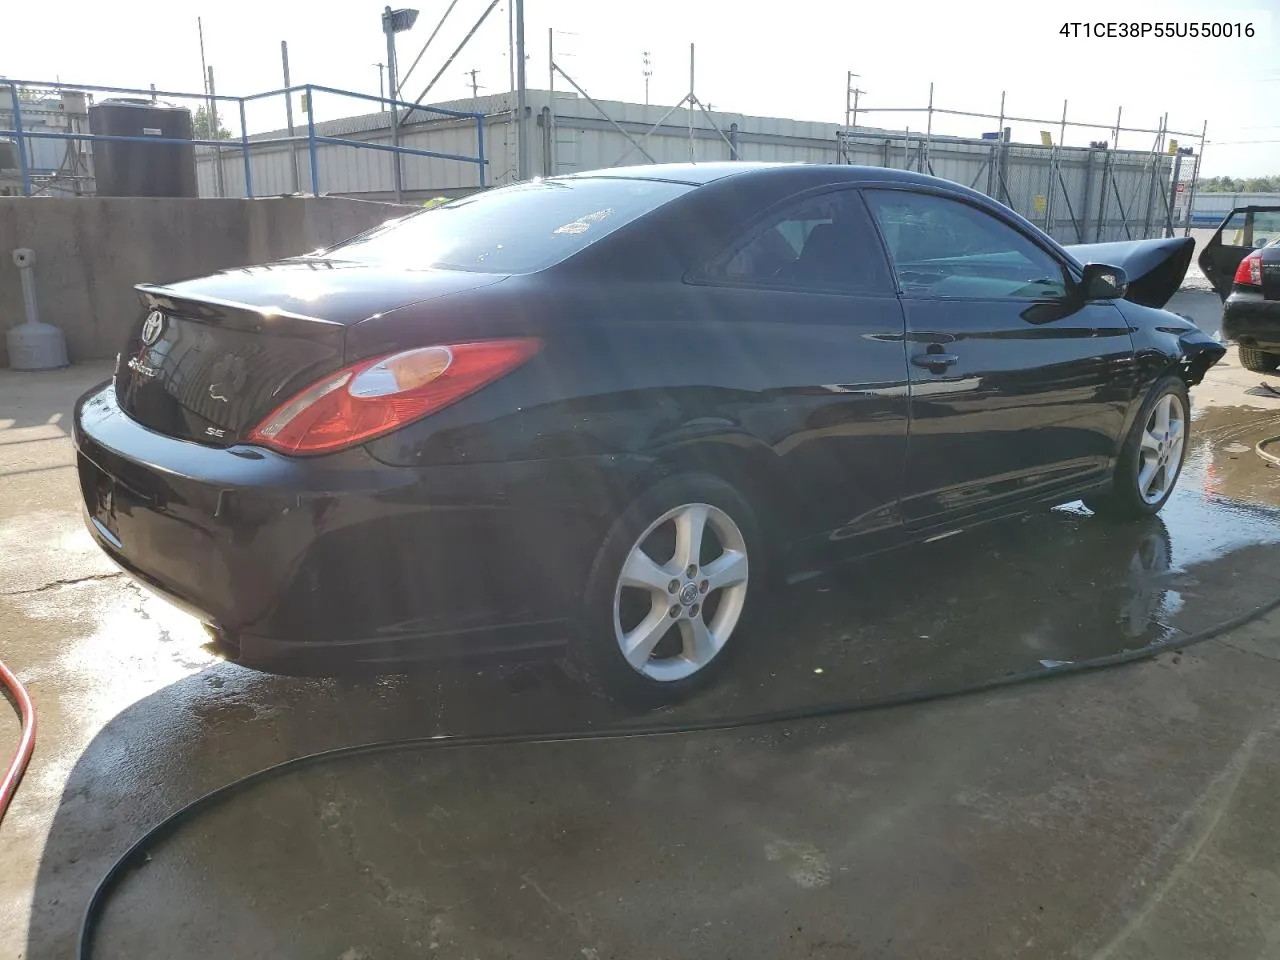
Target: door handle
{"x":935,"y":362}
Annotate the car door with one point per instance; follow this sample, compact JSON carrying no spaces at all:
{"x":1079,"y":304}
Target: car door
{"x":1244,"y":230}
{"x":808,"y":307}
{"x":1018,"y":387}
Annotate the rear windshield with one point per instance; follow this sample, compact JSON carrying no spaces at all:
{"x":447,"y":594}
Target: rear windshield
{"x":516,"y":229}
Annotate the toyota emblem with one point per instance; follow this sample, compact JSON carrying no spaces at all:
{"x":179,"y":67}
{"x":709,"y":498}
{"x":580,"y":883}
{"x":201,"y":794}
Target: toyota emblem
{"x":152,"y":327}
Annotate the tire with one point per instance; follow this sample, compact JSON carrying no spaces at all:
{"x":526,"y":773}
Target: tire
{"x":1259,"y":361}
{"x":690,"y":649}
{"x":1148,"y":446}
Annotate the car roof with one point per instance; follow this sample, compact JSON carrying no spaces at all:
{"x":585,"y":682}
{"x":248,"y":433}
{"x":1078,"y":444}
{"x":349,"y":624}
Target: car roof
{"x":699,"y":174}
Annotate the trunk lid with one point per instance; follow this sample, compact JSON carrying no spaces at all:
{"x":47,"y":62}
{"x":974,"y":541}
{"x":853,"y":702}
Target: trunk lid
{"x":1155,"y":268}
{"x":209,"y":358}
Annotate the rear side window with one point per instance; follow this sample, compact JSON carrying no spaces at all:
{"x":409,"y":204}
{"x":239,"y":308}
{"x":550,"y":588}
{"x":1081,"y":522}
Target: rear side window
{"x":824,"y":243}
{"x":516,"y":229}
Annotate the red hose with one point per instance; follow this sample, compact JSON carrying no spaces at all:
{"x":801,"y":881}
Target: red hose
{"x":13,"y":776}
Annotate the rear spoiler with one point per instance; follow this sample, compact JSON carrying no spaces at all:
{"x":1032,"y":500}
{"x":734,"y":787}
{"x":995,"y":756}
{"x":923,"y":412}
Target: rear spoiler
{"x":1155,"y":267}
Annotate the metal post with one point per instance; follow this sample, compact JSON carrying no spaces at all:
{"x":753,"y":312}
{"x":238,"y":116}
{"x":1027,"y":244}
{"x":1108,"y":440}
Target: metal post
{"x":1195,"y":175}
{"x":928,"y":133}
{"x":23,"y":167}
{"x":219,"y":176}
{"x":1106,"y":170}
{"x":288,"y":116}
{"x":551,"y":94}
{"x":1168,"y":207}
{"x":848,"y":94}
{"x":382,"y":85}
{"x":689,"y":100}
{"x":1054,"y":160}
{"x":397,"y":174}
{"x":244,"y":149}
{"x":480,"y":146}
{"x":906,"y":149}
{"x":522,"y":130}
{"x":311,"y":143}
{"x":997,"y":167}
{"x":204,"y":67}
{"x":1156,"y":153}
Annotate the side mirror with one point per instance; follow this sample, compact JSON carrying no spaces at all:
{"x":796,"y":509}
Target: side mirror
{"x":1103,"y":282}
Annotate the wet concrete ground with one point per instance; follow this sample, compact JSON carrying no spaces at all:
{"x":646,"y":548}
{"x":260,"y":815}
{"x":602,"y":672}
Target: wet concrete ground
{"x":1130,"y":813}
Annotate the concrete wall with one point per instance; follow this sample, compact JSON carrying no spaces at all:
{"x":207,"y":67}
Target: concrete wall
{"x":91,"y":251}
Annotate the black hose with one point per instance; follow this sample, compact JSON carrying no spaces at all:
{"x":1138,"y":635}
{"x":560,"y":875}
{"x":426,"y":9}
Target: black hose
{"x":106,"y":885}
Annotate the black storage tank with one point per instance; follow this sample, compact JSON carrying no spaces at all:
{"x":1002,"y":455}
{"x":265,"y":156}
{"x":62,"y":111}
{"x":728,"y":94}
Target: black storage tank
{"x":132,"y":169}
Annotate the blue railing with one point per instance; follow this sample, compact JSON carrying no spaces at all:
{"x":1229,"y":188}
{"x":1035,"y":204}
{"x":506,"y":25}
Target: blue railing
{"x":246,"y":144}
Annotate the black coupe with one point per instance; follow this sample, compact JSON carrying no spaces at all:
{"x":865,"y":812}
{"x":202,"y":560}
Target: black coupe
{"x":614,"y":409}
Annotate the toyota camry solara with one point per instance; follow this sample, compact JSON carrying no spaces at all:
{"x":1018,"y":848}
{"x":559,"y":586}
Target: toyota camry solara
{"x":612,"y":411}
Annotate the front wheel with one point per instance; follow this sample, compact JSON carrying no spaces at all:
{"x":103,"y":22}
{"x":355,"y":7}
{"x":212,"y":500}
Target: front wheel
{"x":669,"y":589}
{"x":1151,"y":458}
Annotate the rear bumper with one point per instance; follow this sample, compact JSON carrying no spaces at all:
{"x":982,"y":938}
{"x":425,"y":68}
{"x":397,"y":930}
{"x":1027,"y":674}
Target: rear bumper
{"x":1252,"y":321}
{"x":343,"y":554}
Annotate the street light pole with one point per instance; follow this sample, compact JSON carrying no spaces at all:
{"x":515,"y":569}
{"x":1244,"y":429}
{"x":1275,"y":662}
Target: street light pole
{"x":393,"y":22}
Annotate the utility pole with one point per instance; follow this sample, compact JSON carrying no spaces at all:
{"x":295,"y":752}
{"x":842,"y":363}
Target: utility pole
{"x":648,"y":72}
{"x":475,"y":87}
{"x":522,"y":157}
{"x":382,"y":90}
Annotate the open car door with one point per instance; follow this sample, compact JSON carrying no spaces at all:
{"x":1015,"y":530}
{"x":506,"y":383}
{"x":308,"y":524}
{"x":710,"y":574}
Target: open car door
{"x":1245,"y":229}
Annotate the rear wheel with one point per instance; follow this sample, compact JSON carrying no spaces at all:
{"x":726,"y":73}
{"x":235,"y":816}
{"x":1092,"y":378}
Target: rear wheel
{"x":1259,"y":361}
{"x":1151,"y":458}
{"x":669,"y":590}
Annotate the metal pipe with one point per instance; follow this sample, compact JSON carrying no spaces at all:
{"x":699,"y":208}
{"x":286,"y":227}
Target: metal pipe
{"x":244,"y":150}
{"x":1106,"y":171}
{"x":24,"y":168}
{"x":408,"y":73}
{"x":24,"y":259}
{"x":288,"y":116}
{"x":311,"y":143}
{"x":928,"y":131}
{"x":689,"y":99}
{"x":551,"y":93}
{"x":1195,"y":176}
{"x":448,"y":63}
{"x":1053,"y":170}
{"x":522,"y":142}
{"x":397,"y":171}
{"x":219,"y":176}
{"x":1011,"y":117}
{"x":617,"y":126}
{"x":112,"y":138}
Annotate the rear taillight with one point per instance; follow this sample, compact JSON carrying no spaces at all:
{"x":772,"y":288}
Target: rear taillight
{"x":381,"y":394}
{"x":1249,"y":273}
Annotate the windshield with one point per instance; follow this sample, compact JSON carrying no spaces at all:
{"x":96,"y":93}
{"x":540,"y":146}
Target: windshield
{"x":517,"y":229}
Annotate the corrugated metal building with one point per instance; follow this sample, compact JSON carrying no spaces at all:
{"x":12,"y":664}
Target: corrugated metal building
{"x":1078,"y":194}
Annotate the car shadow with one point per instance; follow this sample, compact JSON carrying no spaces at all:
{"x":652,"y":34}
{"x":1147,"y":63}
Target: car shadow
{"x":334,"y":858}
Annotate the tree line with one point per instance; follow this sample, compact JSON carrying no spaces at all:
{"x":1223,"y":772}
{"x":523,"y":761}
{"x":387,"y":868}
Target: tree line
{"x":1240,"y":185}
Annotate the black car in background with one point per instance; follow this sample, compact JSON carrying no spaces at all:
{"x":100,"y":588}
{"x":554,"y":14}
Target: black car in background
{"x":1242,"y":261}
{"x":613,"y":409}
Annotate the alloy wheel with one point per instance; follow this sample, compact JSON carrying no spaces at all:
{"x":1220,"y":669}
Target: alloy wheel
{"x":1160,"y":448}
{"x":680,"y":592}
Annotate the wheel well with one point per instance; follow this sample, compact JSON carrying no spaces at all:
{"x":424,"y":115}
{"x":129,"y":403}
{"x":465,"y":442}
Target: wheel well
{"x":752,"y":470}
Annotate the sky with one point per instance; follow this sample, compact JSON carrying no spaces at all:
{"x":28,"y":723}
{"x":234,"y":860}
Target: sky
{"x":770,"y":59}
